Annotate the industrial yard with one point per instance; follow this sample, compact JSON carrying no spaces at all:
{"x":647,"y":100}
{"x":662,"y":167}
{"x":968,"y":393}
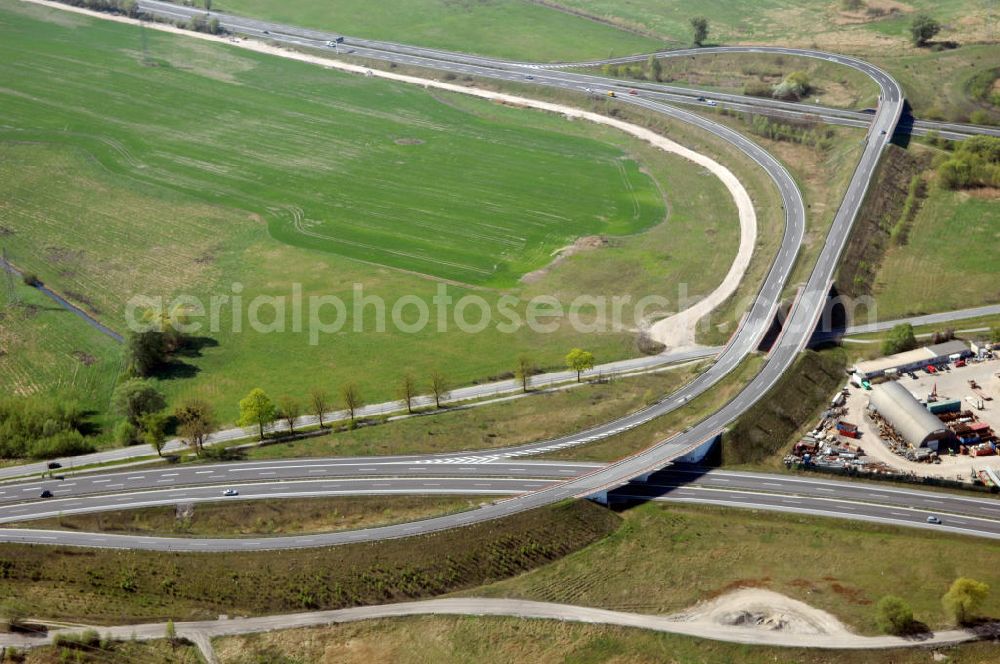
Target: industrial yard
{"x":940,"y":421}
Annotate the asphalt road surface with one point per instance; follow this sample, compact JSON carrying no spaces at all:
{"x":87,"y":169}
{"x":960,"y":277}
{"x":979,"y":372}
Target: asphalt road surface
{"x":976,"y":516}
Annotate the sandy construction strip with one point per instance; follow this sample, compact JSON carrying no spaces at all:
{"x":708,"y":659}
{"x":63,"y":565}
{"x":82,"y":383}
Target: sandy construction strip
{"x":676,"y":331}
{"x":749,"y":616}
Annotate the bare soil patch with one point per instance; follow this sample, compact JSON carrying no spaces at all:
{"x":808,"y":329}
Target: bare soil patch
{"x":582,"y":244}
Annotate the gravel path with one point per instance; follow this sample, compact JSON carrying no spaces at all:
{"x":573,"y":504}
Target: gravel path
{"x":748,"y":616}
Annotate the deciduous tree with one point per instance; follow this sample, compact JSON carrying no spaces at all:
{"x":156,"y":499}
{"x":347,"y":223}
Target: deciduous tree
{"x":319,"y":400}
{"x":699,"y":30}
{"x":350,"y":394}
{"x":923,"y":28}
{"x":256,"y":409}
{"x":964,"y":599}
{"x":900,"y":339}
{"x":195,"y":421}
{"x":525,"y":368}
{"x":654,"y":68}
{"x":408,"y":390}
{"x":289,"y":410}
{"x":579,"y":360}
{"x":135,"y":398}
{"x":439,"y":387}
{"x":153,"y":430}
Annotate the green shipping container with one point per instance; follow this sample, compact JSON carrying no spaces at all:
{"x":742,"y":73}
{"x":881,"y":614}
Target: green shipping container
{"x":951,"y":406}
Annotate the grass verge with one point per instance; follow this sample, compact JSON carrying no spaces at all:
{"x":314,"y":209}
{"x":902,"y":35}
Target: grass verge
{"x":263,"y":517}
{"x":110,"y":586}
{"x":513,"y":422}
{"x":793,"y":404}
{"x":147,"y":652}
{"x":665,"y":558}
{"x":491,"y":640}
{"x":630,"y":442}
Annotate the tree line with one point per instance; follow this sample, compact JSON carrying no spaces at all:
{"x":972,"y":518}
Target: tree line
{"x":145,"y":418}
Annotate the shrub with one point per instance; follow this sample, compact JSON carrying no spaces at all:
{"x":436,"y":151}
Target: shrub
{"x":900,"y":339}
{"x":36,"y":426}
{"x":795,"y":86}
{"x":126,"y":433}
{"x":975,"y":162}
{"x":64,"y":443}
{"x":893,"y":615}
{"x":87,"y":639}
{"x":31,"y":279}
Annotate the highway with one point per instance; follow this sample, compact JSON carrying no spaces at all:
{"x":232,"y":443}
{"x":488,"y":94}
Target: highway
{"x":975,"y":516}
{"x":798,"y":328}
{"x":564,"y":75}
{"x":597,"y":481}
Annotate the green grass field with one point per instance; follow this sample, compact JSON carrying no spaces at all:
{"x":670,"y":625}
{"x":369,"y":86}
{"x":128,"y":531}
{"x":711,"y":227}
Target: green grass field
{"x":513,"y":29}
{"x":791,"y":22}
{"x":161,"y":193}
{"x":265,"y":517}
{"x":668,"y":557}
{"x":949,"y":260}
{"x":366,"y":169}
{"x":47,"y":351}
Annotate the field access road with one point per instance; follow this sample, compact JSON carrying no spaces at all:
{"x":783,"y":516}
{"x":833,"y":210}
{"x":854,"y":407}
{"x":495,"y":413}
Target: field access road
{"x":799,"y":494}
{"x":927,"y":319}
{"x":798,"y":328}
{"x":564,"y":75}
{"x":830,"y":635}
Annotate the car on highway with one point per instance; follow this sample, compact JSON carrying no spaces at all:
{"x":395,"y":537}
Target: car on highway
{"x":633,"y":91}
{"x":712,"y":102}
{"x":46,"y":494}
{"x":331,"y":44}
{"x":230,"y":492}
{"x":702,"y":99}
{"x":933,"y":519}
{"x":529,"y":77}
